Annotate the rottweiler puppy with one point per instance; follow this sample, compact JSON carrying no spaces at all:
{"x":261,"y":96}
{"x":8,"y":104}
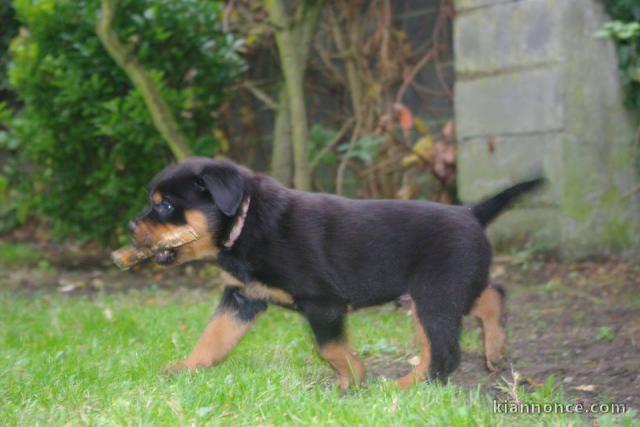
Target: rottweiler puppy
{"x":324,"y":255}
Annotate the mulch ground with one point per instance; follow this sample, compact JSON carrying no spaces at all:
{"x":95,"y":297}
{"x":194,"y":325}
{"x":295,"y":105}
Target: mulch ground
{"x":579,"y":322}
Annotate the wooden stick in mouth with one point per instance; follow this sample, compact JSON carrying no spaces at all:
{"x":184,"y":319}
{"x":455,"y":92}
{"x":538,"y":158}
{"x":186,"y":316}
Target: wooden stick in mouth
{"x":128,"y":256}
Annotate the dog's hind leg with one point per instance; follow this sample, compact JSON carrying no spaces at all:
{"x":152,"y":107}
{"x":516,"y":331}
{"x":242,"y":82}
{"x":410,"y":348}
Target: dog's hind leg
{"x":438,"y":321}
{"x":421,"y":371}
{"x":233,"y":318}
{"x":334,"y":347}
{"x":488,"y":308}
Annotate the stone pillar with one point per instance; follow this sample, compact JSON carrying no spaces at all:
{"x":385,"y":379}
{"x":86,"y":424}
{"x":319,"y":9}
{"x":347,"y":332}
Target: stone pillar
{"x":535,"y":90}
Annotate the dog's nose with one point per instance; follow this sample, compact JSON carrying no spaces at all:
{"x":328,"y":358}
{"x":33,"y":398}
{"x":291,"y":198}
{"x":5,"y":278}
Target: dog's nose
{"x":132,"y":226}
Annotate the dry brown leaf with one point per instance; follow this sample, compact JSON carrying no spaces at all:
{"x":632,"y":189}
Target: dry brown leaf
{"x":405,"y":116}
{"x":406,"y":192}
{"x":491,"y":144}
{"x":421,"y":151}
{"x":585,"y":387}
{"x":421,"y":126}
{"x":449,"y":131}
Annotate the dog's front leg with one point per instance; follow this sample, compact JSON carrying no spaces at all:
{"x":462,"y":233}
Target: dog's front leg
{"x":232,"y":319}
{"x":334,"y":347}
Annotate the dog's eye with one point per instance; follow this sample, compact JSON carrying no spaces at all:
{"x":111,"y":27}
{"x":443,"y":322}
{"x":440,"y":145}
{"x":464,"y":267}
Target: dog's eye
{"x":165,"y":208}
{"x":199,"y":184}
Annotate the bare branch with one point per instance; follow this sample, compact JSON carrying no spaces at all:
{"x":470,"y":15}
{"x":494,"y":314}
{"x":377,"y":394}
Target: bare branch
{"x":225,"y":15}
{"x":431,"y":53}
{"x":160,"y":112}
{"x":343,"y":130}
{"x":260,"y":94}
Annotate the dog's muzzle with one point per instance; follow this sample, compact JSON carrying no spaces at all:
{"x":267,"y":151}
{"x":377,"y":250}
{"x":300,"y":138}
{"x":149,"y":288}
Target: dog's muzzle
{"x":165,"y":257}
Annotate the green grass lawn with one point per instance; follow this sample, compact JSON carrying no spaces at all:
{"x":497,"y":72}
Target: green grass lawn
{"x":97,"y":360}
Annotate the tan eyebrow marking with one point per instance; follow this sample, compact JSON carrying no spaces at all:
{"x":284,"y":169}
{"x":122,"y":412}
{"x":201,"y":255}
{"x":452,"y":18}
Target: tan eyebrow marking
{"x":156,"y":197}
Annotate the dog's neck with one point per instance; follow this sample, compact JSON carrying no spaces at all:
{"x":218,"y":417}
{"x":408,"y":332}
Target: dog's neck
{"x":238,"y":225}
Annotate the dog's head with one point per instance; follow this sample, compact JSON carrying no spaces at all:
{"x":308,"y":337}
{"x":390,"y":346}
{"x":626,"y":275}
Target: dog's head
{"x":203,"y":193}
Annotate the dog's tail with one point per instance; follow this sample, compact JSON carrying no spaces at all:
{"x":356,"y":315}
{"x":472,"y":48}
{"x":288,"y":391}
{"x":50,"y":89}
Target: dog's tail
{"x":490,"y":208}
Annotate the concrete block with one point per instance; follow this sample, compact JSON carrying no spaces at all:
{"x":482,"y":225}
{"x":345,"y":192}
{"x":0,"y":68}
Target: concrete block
{"x":463,"y":5}
{"x":483,"y":173}
{"x":519,"y":226}
{"x":532,"y":74}
{"x":525,"y":102}
{"x":511,"y":35}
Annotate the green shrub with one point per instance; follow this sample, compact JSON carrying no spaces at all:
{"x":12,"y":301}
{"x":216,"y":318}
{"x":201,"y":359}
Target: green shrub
{"x":13,"y":254}
{"x":85,"y":130}
{"x":625,"y":30}
{"x":9,"y":27}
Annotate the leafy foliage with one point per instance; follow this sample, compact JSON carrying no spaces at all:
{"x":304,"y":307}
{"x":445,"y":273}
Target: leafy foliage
{"x":625,"y":30}
{"x":85,"y":128}
{"x":9,"y":28}
{"x":364,"y":149}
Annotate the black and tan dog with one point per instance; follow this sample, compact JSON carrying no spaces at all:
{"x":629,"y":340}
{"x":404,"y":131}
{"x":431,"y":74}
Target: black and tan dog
{"x":324,"y":255}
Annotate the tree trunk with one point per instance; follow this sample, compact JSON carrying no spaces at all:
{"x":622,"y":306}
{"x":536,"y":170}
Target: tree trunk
{"x":160,"y":113}
{"x":293,"y":46}
{"x":281,"y":159}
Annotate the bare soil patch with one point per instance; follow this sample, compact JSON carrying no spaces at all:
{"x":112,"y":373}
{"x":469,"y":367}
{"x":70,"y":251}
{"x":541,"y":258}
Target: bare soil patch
{"x":579,"y":322}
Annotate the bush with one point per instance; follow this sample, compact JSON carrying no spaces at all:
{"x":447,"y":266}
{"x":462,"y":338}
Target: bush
{"x":625,"y":30}
{"x":85,"y":129}
{"x":9,"y":28}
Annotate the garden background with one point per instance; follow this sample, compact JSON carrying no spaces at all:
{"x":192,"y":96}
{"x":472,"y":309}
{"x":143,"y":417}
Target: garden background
{"x":440,"y":99}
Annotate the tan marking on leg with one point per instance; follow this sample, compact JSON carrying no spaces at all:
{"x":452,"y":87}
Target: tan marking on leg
{"x":421,"y":372}
{"x":344,"y":360}
{"x":216,"y":342}
{"x":488,"y":308}
{"x":258,"y":290}
{"x":230,"y":279}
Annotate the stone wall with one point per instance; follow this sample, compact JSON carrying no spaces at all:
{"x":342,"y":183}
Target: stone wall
{"x":536,"y":91}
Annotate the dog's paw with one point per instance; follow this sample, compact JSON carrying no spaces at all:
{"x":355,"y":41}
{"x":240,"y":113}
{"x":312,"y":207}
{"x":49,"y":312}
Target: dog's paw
{"x":178,"y":367}
{"x":496,"y":364}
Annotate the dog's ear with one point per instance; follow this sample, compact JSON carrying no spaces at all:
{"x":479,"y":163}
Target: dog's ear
{"x":226,"y":187}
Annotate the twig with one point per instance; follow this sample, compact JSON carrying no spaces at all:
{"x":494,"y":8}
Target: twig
{"x":325,"y":59}
{"x":260,"y":94}
{"x":412,"y":74}
{"x":438,"y":28}
{"x":512,"y":386}
{"x":432,"y":53}
{"x":426,"y":90}
{"x":225,"y":15}
{"x":442,"y":80}
{"x":343,"y":163}
{"x":386,"y":166}
{"x":353,"y":83}
{"x":345,"y":127}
